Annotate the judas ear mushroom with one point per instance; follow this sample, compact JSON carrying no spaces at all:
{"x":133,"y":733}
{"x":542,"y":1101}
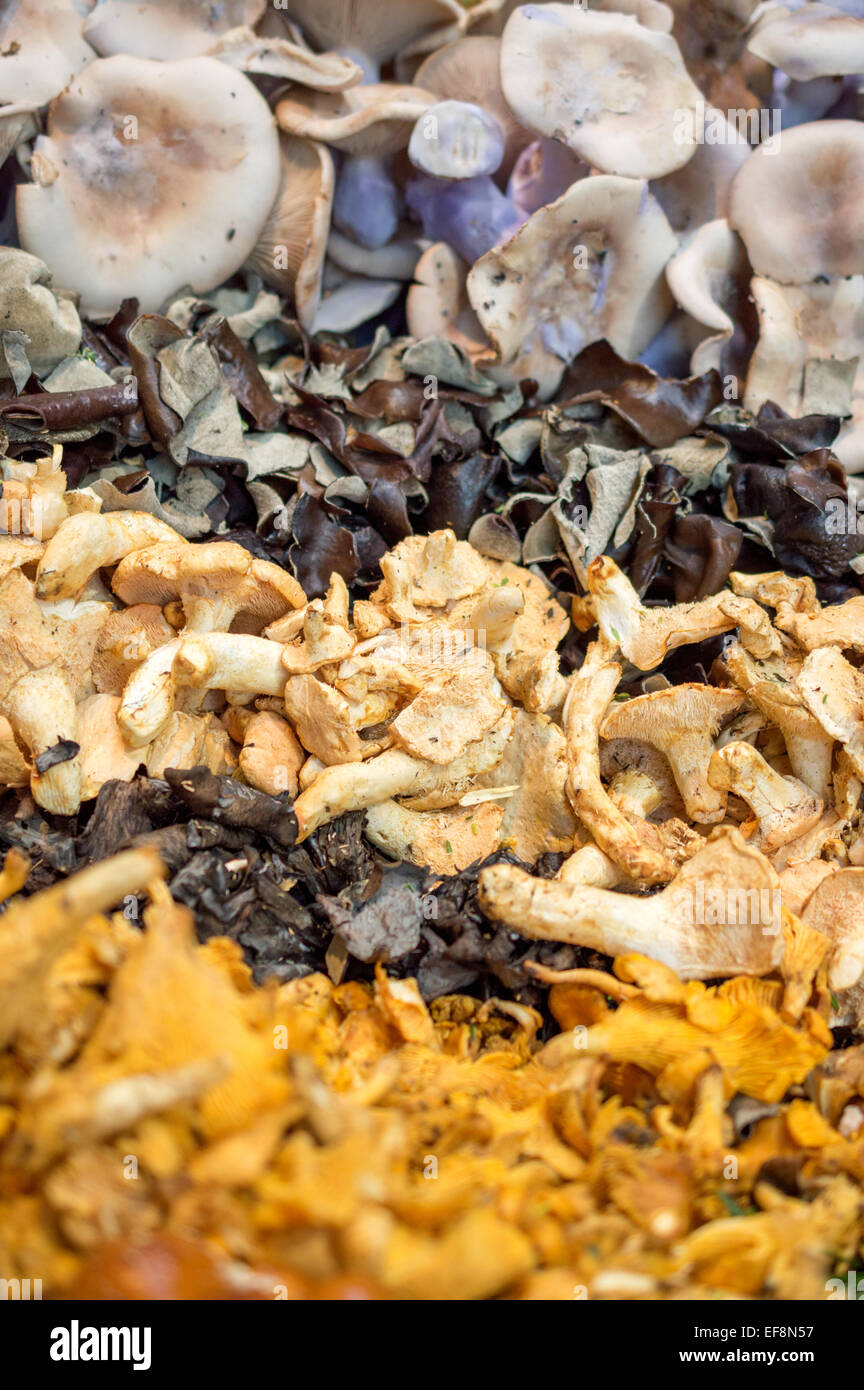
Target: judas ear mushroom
{"x":165,"y":29}
{"x":716,"y":917}
{"x":589,"y":266}
{"x":798,"y":203}
{"x":784,"y":808}
{"x":618,"y":94}
{"x":174,"y":192}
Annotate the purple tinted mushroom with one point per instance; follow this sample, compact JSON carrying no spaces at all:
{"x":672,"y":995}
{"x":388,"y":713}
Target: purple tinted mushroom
{"x":471,"y":215}
{"x":367,"y":203}
{"x":544,"y":170}
{"x":456,"y":140}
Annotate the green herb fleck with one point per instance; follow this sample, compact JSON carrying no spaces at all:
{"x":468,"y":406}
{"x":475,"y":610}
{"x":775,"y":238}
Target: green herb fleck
{"x":448,"y":846}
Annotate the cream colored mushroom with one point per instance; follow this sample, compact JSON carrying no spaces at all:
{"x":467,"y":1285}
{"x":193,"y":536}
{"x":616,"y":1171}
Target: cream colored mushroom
{"x":777,"y":590}
{"x":230,"y":661}
{"x":469,"y":70}
{"x":162,"y":174}
{"x":322,"y":719}
{"x":784,"y":807}
{"x":833,"y":691}
{"x":357,"y":786}
{"x":127,"y":638}
{"x":836,"y":908}
{"x":373,"y":31}
{"x":682,"y":722}
{"x":592,"y":688}
{"x":437,"y":305}
{"x":85,"y":543}
{"x":647,"y":635}
{"x":445,"y":842}
{"x":271,"y":757}
{"x":324,"y":641}
{"x":840,"y":625}
{"x":537,"y":818}
{"x":588,"y":266}
{"x":800,"y":879}
{"x":165,"y":29}
{"x":617,"y":93}
{"x":718,"y":917}
{"x":814,"y":41}
{"x":451,"y":712}
{"x":290,"y":251}
{"x":105,"y":757}
{"x":704,"y":278}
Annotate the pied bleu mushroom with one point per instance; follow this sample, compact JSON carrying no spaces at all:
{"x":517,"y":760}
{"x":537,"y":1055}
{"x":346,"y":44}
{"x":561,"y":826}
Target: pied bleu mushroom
{"x":165,"y":29}
{"x":150,"y":176}
{"x":647,"y":635}
{"x":685,"y":926}
{"x":470,"y":215}
{"x":88,"y":541}
{"x":468,"y":70}
{"x":770,"y":685}
{"x":833,"y":691}
{"x":437,"y":303}
{"x":372,"y":32}
{"x":291,"y":247}
{"x":784,"y":808}
{"x":699,"y":192}
{"x":814,"y":41}
{"x":456,"y":140}
{"x":617,"y":93}
{"x":707,"y":278}
{"x":368,"y":124}
{"x":543,"y":172}
{"x":588,"y":266}
{"x":682,"y":722}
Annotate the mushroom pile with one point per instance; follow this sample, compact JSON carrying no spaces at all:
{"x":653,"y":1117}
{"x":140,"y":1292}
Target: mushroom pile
{"x":438,"y":709}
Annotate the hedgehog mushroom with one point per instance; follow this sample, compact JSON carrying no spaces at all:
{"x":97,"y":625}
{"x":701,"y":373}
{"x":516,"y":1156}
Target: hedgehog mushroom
{"x":839,"y":625}
{"x":85,"y":543}
{"x":174,"y":191}
{"x":836,"y":908}
{"x":682,"y":722}
{"x":716,"y":917}
{"x":833,"y":691}
{"x":784,"y":808}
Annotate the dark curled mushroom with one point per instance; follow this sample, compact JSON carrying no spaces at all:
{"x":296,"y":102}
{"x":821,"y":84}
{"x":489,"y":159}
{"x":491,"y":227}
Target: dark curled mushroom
{"x":65,"y":410}
{"x":232,"y":803}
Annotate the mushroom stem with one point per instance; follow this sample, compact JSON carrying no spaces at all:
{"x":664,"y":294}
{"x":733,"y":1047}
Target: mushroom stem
{"x":148,"y":696}
{"x":41,"y":710}
{"x":589,"y":865}
{"x":230,"y":661}
{"x":783,"y":807}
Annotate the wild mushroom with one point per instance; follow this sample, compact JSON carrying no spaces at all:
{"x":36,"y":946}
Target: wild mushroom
{"x":356,"y":786}
{"x":323,"y":721}
{"x":372,"y":31}
{"x":445,"y":842}
{"x":89,"y":541}
{"x":468,"y":70}
{"x":705,"y":278}
{"x":797,"y":207}
{"x":291,"y":246}
{"x":173,"y":192}
{"x":591,"y":689}
{"x":777,"y":590}
{"x":682,"y":722}
{"x":105,"y":757}
{"x":437,"y":305}
{"x":323,"y":640}
{"x":617,"y":93}
{"x":165,"y":29}
{"x":588,"y":266}
{"x":814,"y":41}
{"x":235,"y":662}
{"x":271,"y":757}
{"x":454,"y":710}
{"x":53,"y":325}
{"x":456,"y":140}
{"x":839,"y":625}
{"x":127,"y":638}
{"x":531,"y":778}
{"x":647,"y":635}
{"x":772,"y":688}
{"x":43,"y":49}
{"x":784,"y":807}
{"x":717,"y":917}
{"x":833,"y":691}
{"x":836,"y":908}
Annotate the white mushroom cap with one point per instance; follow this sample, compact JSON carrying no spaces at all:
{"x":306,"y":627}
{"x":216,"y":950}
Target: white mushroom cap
{"x":42,"y":49}
{"x":165,"y":175}
{"x":703,"y":277}
{"x":616,"y":93}
{"x":469,"y":70}
{"x":166,"y":29}
{"x":456,"y":140}
{"x":290,"y":251}
{"x":798,"y":203}
{"x":815,"y":41}
{"x":588,"y":266}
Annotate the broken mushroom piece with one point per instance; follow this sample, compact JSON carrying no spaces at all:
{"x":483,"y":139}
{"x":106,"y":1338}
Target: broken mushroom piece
{"x":588,"y":266}
{"x":784,"y":807}
{"x":291,"y":247}
{"x":836,"y":908}
{"x":161,"y":175}
{"x":682,"y":722}
{"x":617,"y":93}
{"x":840,"y":625}
{"x":85,"y":543}
{"x":719,"y":915}
{"x":437,"y":305}
{"x":647,"y":635}
{"x":833,"y":691}
{"x":271,"y":757}
{"x":445,"y":842}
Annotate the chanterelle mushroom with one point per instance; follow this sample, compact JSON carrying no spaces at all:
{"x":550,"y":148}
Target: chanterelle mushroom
{"x":719,"y":915}
{"x":162,"y":175}
{"x":617,"y":93}
{"x":588,"y":266}
{"x":682,"y":722}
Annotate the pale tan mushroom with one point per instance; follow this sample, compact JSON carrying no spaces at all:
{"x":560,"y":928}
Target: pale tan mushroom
{"x":836,"y":908}
{"x":800,"y":879}
{"x":154,"y":175}
{"x":357,"y":786}
{"x":682,"y":722}
{"x":165,"y":29}
{"x":833,"y":691}
{"x":840,"y":625}
{"x":445,"y":842}
{"x":85,"y":543}
{"x":454,"y":710}
{"x":14,"y":767}
{"x":437,"y":305}
{"x":290,"y":250}
{"x":230,"y":661}
{"x":777,"y":590}
{"x":322,"y":719}
{"x":127,"y":638}
{"x":537,"y":818}
{"x":718,"y":916}
{"x":271,"y":756}
{"x":469,"y":70}
{"x":373,"y":31}
{"x":105,"y":757}
{"x":784,"y":808}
